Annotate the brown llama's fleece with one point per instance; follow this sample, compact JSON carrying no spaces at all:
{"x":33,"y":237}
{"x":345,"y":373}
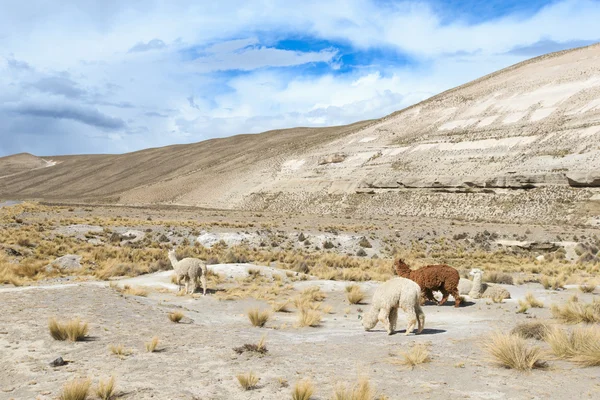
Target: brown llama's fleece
{"x":442,"y":278}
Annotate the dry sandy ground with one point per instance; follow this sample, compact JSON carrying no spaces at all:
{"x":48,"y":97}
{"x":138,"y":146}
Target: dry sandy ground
{"x":196,"y":360}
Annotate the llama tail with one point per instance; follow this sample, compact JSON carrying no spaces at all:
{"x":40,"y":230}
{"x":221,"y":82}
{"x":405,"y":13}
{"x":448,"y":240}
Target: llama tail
{"x":370,"y":319}
{"x":420,"y":317}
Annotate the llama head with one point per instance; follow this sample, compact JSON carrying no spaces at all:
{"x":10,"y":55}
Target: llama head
{"x":476,"y":271}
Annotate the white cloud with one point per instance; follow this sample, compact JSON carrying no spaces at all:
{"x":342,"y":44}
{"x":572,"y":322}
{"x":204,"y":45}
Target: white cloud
{"x":131,"y":68}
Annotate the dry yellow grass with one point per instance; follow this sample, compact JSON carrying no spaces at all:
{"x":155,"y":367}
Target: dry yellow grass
{"x":303,"y":390}
{"x":575,"y":312}
{"x":533,"y":302}
{"x":119,"y":350}
{"x":280,"y":306}
{"x":531,"y":330}
{"x":313,"y":293}
{"x":513,"y":352}
{"x":248,"y":381}
{"x":581,"y":346}
{"x":361,"y":390}
{"x":76,"y":390}
{"x":106,"y":389}
{"x":523,"y":307}
{"x":354,"y":294}
{"x":130,"y":290}
{"x":308,"y":317}
{"x":416,"y":355}
{"x":152,"y":345}
{"x":587,"y":288}
{"x":257,"y":317}
{"x":176,"y":316}
{"x":73,"y":330}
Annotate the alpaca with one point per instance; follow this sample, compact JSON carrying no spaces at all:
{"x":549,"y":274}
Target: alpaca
{"x":190,"y":270}
{"x":442,"y":278}
{"x":464,"y":286}
{"x":397,"y":292}
{"x":480,"y":289}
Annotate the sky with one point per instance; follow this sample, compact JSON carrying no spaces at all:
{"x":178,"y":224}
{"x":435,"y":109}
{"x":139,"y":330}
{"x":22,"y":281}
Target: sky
{"x":116,"y":76}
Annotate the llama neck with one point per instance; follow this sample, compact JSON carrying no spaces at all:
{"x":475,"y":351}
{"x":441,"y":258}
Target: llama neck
{"x":477,"y":286}
{"x":402,"y":269}
{"x":173,"y":259}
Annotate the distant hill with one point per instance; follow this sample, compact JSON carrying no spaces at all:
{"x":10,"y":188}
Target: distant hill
{"x":22,"y":162}
{"x":521,"y":144}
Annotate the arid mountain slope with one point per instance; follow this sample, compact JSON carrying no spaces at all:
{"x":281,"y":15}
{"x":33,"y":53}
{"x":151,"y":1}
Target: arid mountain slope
{"x":22,"y":162}
{"x":512,"y":146}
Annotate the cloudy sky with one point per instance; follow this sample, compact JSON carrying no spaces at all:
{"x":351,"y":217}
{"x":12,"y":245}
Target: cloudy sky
{"x":121,"y":75}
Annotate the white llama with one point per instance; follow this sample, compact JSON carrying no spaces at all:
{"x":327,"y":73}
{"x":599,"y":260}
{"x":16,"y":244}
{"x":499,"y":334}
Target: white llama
{"x":391,"y":295}
{"x":484,"y":290}
{"x":190,"y":270}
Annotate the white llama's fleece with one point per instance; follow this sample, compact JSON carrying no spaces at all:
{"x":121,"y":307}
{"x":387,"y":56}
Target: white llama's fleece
{"x":391,"y":295}
{"x":480,"y":289}
{"x":190,"y":270}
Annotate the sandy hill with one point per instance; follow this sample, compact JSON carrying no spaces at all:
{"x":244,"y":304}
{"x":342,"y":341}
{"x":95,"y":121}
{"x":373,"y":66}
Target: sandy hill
{"x":512,"y":145}
{"x":22,"y":162}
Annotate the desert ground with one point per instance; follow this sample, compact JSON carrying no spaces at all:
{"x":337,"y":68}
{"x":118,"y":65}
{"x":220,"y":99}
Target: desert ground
{"x":117,"y":279}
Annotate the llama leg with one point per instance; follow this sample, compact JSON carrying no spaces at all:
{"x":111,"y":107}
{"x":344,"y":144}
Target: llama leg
{"x":445,"y":295}
{"x":456,"y":296}
{"x":203,"y":281}
{"x":411,"y":316}
{"x":393,"y":318}
{"x":420,"y":318}
{"x":193,"y":285}
{"x":384,"y":315}
{"x":429,"y":295}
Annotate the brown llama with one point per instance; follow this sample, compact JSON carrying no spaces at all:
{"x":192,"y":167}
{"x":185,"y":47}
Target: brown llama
{"x":442,"y":278}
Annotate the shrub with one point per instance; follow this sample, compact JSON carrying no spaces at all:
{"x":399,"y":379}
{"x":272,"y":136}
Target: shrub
{"x":303,"y":390}
{"x":260,"y":347}
{"x":359,"y":391}
{"x":513,"y":352}
{"x":531,"y":330}
{"x":499,"y":277}
{"x":73,"y":330}
{"x":354,"y":294}
{"x":364,"y":242}
{"x":587,"y":288}
{"x":575,"y":312}
{"x":257,"y":317}
{"x":106,"y":389}
{"x":76,"y":390}
{"x":533,"y":302}
{"x":176,"y":316}
{"x":151,"y":345}
{"x":418,"y":354}
{"x":248,"y":381}
{"x":309,"y":317}
{"x":581,"y":346}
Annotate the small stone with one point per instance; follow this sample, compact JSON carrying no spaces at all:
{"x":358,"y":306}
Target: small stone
{"x":58,"y":362}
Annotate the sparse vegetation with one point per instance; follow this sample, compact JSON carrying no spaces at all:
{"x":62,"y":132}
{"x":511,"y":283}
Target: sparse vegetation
{"x":152,"y":345}
{"x":106,"y":389}
{"x":119,"y":350}
{"x":176,"y":316}
{"x":361,"y":390}
{"x":73,"y":330}
{"x":257,"y":317}
{"x":260,"y":347}
{"x":280,"y":306}
{"x":416,"y":355}
{"x":581,"y":346}
{"x":514,"y":352}
{"x":76,"y":390}
{"x":308,"y":317}
{"x":587,"y":288}
{"x":248,"y":381}
{"x":354,"y":294}
{"x":532,"y":301}
{"x":531,"y":330}
{"x":575,"y":312}
{"x":303,"y":390}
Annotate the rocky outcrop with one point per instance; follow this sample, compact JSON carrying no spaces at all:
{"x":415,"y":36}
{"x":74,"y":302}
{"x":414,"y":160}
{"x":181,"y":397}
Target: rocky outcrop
{"x":66,"y":263}
{"x":584,"y":179}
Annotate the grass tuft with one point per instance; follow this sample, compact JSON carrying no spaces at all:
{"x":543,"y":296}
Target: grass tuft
{"x":257,"y":317}
{"x":76,"y":390}
{"x":119,"y":350}
{"x":575,"y":312}
{"x":533,"y":302}
{"x":581,"y":346}
{"x":354,"y":294}
{"x":260,"y":347}
{"x":513,"y":352}
{"x":531,"y":330}
{"x":303,"y":390}
{"x":361,"y":390}
{"x":308,"y":317}
{"x":248,"y":381}
{"x":587,"y":288}
{"x":176,"y":316}
{"x":73,"y":330}
{"x":418,"y":354}
{"x":106,"y":389}
{"x":151,"y":345}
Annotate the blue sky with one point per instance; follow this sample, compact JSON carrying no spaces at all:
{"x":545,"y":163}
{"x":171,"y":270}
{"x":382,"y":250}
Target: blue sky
{"x":113,"y":76}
